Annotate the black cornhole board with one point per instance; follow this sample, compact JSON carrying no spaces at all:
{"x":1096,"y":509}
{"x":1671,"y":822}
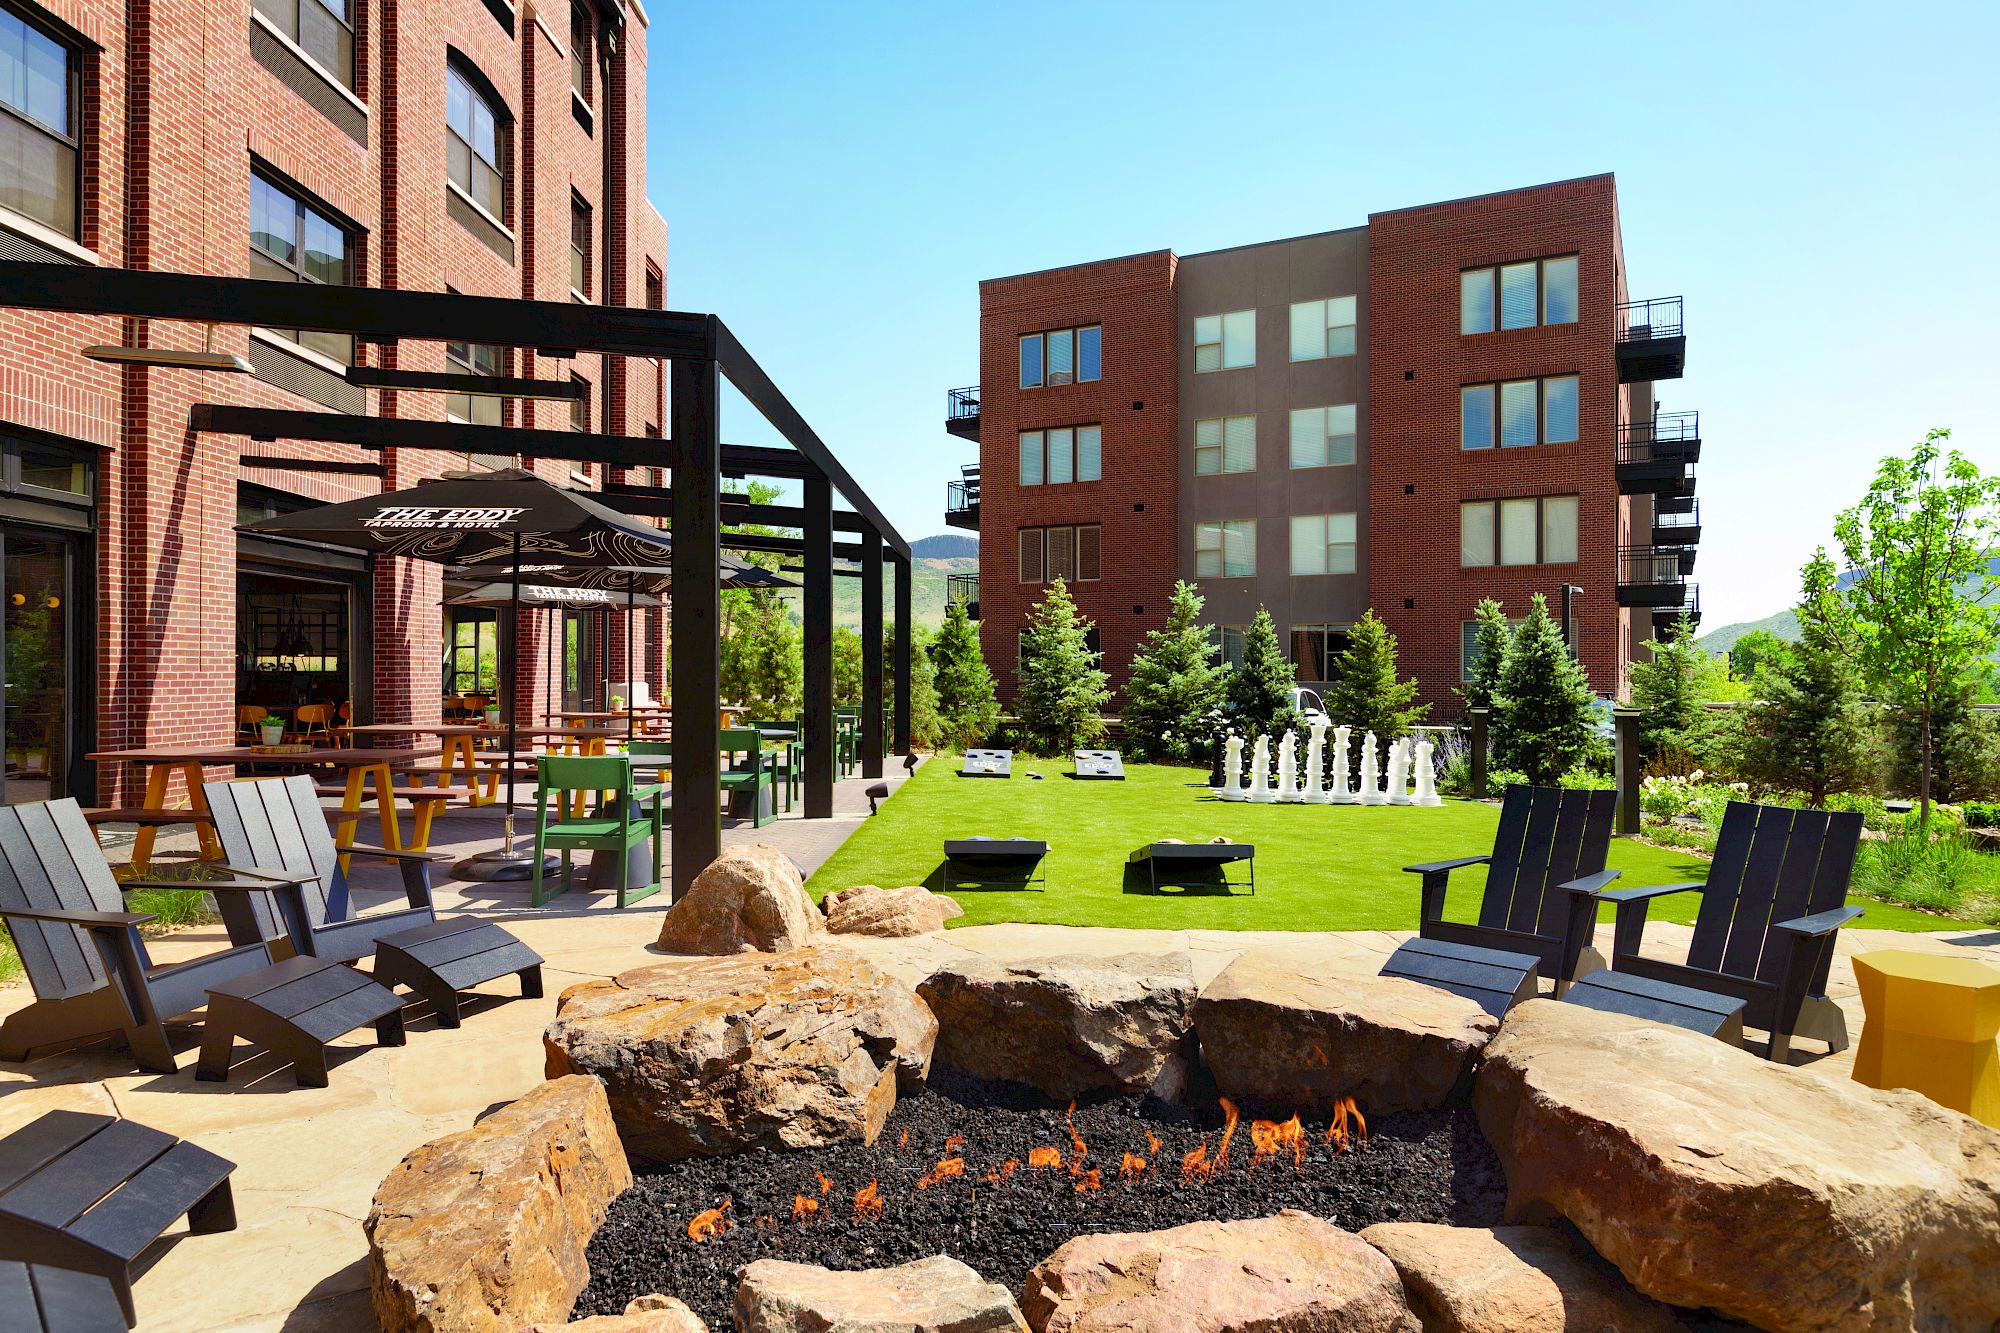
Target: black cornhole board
{"x":1195,"y":864}
{"x":1712,"y":1015}
{"x":987,"y":764}
{"x":1005,"y":860}
{"x":1496,"y":979}
{"x":1103,"y":765}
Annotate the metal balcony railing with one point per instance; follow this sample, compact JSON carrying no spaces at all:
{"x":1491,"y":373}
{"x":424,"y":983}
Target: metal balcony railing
{"x":1650,"y":566}
{"x":1643,"y":321}
{"x":962,"y":403}
{"x":961,"y":588}
{"x":961,"y":497}
{"x":1671,"y":529}
{"x":1670,"y":437}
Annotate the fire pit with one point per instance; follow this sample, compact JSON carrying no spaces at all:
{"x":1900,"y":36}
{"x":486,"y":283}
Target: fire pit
{"x":996,"y":1177}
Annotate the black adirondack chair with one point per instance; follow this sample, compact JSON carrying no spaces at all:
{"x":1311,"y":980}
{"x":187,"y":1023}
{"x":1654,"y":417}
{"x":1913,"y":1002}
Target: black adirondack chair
{"x":1775,"y":897}
{"x":276,"y":826}
{"x":1547,"y":861}
{"x":83,"y":953}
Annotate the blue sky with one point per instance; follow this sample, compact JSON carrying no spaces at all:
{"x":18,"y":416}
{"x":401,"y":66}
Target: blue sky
{"x":1820,"y":182}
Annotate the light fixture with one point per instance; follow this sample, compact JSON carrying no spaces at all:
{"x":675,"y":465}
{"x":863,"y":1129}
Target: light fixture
{"x":168,"y":358}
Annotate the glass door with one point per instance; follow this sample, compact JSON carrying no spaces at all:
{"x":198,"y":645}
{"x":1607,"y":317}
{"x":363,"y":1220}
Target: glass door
{"x":579,"y":672}
{"x":36,"y":650}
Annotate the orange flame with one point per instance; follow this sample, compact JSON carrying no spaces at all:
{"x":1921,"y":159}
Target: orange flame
{"x":903,"y":1141}
{"x":1044,"y":1156}
{"x":1272,"y":1137}
{"x":950,"y":1166}
{"x":952,"y":1143}
{"x":1080,"y":1149}
{"x":1195,"y":1165}
{"x":804,"y":1209}
{"x":1131,"y":1165}
{"x":1338,"y":1133}
{"x":1228,"y":1133}
{"x":1152,"y":1144}
{"x":1087,"y":1182}
{"x":1004,"y":1171}
{"x":824,"y":1183}
{"x":867,"y":1203}
{"x":709,"y":1224}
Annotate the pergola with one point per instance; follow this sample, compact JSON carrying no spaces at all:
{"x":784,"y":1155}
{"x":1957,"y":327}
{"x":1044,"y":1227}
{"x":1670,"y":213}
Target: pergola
{"x":701,"y":351}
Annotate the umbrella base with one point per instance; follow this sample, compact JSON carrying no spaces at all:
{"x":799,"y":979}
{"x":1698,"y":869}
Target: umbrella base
{"x":496,"y":866}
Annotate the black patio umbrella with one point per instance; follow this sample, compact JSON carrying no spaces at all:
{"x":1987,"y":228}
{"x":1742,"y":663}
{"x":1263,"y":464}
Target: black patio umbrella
{"x":509,"y":517}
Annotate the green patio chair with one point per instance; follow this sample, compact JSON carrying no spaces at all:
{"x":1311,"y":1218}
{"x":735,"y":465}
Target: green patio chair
{"x":626,"y":814}
{"x":746,"y":768}
{"x":847,"y":739}
{"x":783,"y":755}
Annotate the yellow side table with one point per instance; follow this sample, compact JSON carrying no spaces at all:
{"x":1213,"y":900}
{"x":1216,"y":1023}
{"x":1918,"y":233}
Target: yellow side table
{"x":1932,"y":1027}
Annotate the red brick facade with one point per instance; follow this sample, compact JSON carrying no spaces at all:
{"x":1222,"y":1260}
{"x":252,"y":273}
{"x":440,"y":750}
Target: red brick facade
{"x":175,"y":109}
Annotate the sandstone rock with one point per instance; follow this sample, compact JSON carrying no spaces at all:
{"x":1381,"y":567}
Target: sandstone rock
{"x":1511,"y":1280}
{"x":1070,"y":1025}
{"x":648,"y":1314}
{"x":1282,"y":1035}
{"x":792,"y":1050}
{"x":1711,"y":1177}
{"x":935,"y":1295}
{"x":1291,"y":1273}
{"x":484,"y":1230}
{"x":868,"y":910}
{"x":748,"y":899}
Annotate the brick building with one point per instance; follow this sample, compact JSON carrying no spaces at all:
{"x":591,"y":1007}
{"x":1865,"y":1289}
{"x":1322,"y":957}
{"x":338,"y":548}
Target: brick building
{"x":1452,"y":402}
{"x":434,"y":145}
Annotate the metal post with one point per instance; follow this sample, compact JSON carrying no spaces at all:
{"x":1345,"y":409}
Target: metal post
{"x":1625,"y":749}
{"x":697,"y":620}
{"x":904,"y":648}
{"x":1478,"y":752}
{"x":871,"y":654}
{"x":820,"y":721}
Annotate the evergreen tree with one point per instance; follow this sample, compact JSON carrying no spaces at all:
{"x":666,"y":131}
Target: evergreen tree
{"x":1543,"y":701}
{"x":1173,"y":700}
{"x":846,"y":667}
{"x":1491,"y":635}
{"x":926,"y":728}
{"x":1965,"y":745}
{"x":762,"y":654}
{"x":1365,"y":692}
{"x":1060,"y":703}
{"x":968,"y":713}
{"x":1260,"y":690}
{"x":1810,"y":731}
{"x":1669,"y":692}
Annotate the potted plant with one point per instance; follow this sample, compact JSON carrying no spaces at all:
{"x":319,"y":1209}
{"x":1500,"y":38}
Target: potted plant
{"x":272,"y":731}
{"x":493,"y":717}
{"x":617,"y":703}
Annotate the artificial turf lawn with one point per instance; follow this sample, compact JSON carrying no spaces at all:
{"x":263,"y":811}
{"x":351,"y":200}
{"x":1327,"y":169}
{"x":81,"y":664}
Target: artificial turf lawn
{"x":1318,"y":867}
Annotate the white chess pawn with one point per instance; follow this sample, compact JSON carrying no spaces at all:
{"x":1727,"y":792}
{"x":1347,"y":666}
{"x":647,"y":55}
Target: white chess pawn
{"x":1232,"y":768}
{"x":1399,"y":771}
{"x":1426,"y":775}
{"x":1340,"y":795}
{"x":1288,"y":768}
{"x":1315,"y":754}
{"x":1260,"y":770}
{"x":1371,"y":773}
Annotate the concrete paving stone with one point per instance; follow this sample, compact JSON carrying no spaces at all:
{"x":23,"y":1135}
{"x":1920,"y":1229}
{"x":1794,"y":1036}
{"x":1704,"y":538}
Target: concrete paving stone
{"x":275,"y":1260}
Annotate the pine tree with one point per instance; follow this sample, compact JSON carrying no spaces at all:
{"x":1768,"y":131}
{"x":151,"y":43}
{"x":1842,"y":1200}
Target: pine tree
{"x":1491,"y":635}
{"x":926,"y":728}
{"x":1260,"y":690}
{"x":1365,"y":692}
{"x":1810,"y":731}
{"x":1060,"y":703}
{"x":1669,"y":691}
{"x":967,"y":710}
{"x":1173,"y":700}
{"x":1542,"y":702}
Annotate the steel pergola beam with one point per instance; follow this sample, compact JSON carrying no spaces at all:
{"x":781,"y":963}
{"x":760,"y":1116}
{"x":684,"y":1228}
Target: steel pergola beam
{"x":657,"y":501}
{"x":696,"y":645}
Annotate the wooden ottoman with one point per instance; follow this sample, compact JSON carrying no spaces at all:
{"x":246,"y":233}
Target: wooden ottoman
{"x":439,"y":960}
{"x":1931,"y":1028}
{"x":293,"y":1009}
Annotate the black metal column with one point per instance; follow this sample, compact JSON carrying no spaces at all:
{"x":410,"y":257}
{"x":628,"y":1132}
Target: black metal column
{"x":903,"y":650}
{"x":820,"y":722}
{"x":871,"y":654}
{"x":697,"y":620}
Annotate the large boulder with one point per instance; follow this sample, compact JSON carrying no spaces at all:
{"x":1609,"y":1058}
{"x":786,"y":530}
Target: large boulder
{"x":793,"y":1050}
{"x":1291,"y":1273}
{"x":648,"y":1314}
{"x":1710,"y":1177}
{"x":1069,"y":1025}
{"x":747,"y":899}
{"x":867,"y":909}
{"x":1511,"y":1280}
{"x":935,"y":1295}
{"x":484,"y":1230}
{"x":1290,"y":1037}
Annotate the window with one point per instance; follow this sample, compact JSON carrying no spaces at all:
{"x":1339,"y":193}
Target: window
{"x":579,"y":406}
{"x":580,"y":45}
{"x":1227,"y":640}
{"x":1068,"y":553}
{"x":1062,"y":454}
{"x":1323,"y":436}
{"x":1323,"y":328}
{"x":1062,"y":356}
{"x":472,"y":143}
{"x":1033,"y":546}
{"x":1033,"y":454}
{"x":1323,"y":543}
{"x":1530,"y":412}
{"x":323,"y":29}
{"x":1226,"y":549}
{"x":1225,"y":444}
{"x":472,"y":359}
{"x":1530,"y":292}
{"x":1475,"y":416}
{"x":292,"y":241}
{"x":1225,"y":342}
{"x":656,"y":288}
{"x":1530,"y":530}
{"x":1519,"y":417}
{"x":39,"y":140}
{"x":579,"y":248}
{"x":1089,"y":453}
{"x":1317,"y":648}
{"x":1559,"y":410}
{"x":1062,"y":554}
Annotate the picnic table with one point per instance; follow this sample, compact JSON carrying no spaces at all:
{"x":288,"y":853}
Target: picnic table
{"x":459,"y":741}
{"x":362,"y":765}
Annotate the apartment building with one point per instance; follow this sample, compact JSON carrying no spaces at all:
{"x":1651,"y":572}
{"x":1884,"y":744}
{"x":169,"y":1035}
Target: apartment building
{"x":477,"y":146}
{"x":1452,"y":402}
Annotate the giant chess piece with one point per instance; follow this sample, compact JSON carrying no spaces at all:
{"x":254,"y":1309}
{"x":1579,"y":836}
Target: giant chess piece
{"x":1399,"y":771}
{"x":1260,"y":770}
{"x":1426,"y":775}
{"x":1232,"y":768}
{"x":1371,"y":772}
{"x":1340,"y":795}
{"x":1288,"y":768}
{"x":1315,"y":765}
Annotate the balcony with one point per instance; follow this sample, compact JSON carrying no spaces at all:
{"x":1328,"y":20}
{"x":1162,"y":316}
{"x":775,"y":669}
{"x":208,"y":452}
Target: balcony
{"x":961,"y":501}
{"x":1679,"y":500}
{"x":1651,"y":344}
{"x":962,"y":588}
{"x":1654,"y":456}
{"x":1683,"y":530}
{"x":1689,"y":606}
{"x":961,"y":413}
{"x":1654,"y":576}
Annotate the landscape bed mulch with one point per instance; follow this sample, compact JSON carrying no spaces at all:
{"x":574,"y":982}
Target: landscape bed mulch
{"x":1430,"y":1166}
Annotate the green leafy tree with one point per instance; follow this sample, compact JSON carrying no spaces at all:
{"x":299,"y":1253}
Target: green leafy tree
{"x":1669,"y":692}
{"x":1365,"y":692}
{"x":1810,"y":730}
{"x":846,"y":666}
{"x":1490,"y":636}
{"x":1919,"y":544}
{"x":1755,"y":651}
{"x":926,"y":728}
{"x":1260,"y":690}
{"x":1542,"y":702}
{"x":762,"y":647}
{"x":1173,"y":698}
{"x":1060,"y":703}
{"x":968,"y":712}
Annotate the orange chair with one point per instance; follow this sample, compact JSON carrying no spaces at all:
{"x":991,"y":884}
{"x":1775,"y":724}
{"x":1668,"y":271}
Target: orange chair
{"x":249,"y":717}
{"x":315,"y":723}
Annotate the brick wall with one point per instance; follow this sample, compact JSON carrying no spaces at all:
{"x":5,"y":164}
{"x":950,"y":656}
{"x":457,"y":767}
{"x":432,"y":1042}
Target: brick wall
{"x":1135,"y":503}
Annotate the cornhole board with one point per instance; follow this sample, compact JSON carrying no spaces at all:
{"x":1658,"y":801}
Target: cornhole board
{"x":999,"y":860}
{"x":987,"y":764}
{"x":1104,"y":765}
{"x":1195,"y":864}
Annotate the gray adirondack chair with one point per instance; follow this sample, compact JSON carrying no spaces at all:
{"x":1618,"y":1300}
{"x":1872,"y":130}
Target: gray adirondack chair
{"x":83,"y":953}
{"x":1775,"y":897}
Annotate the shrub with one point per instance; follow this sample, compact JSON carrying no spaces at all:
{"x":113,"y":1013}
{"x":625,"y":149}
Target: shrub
{"x":1937,"y":874}
{"x":1981,"y":814}
{"x":1585,"y":778}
